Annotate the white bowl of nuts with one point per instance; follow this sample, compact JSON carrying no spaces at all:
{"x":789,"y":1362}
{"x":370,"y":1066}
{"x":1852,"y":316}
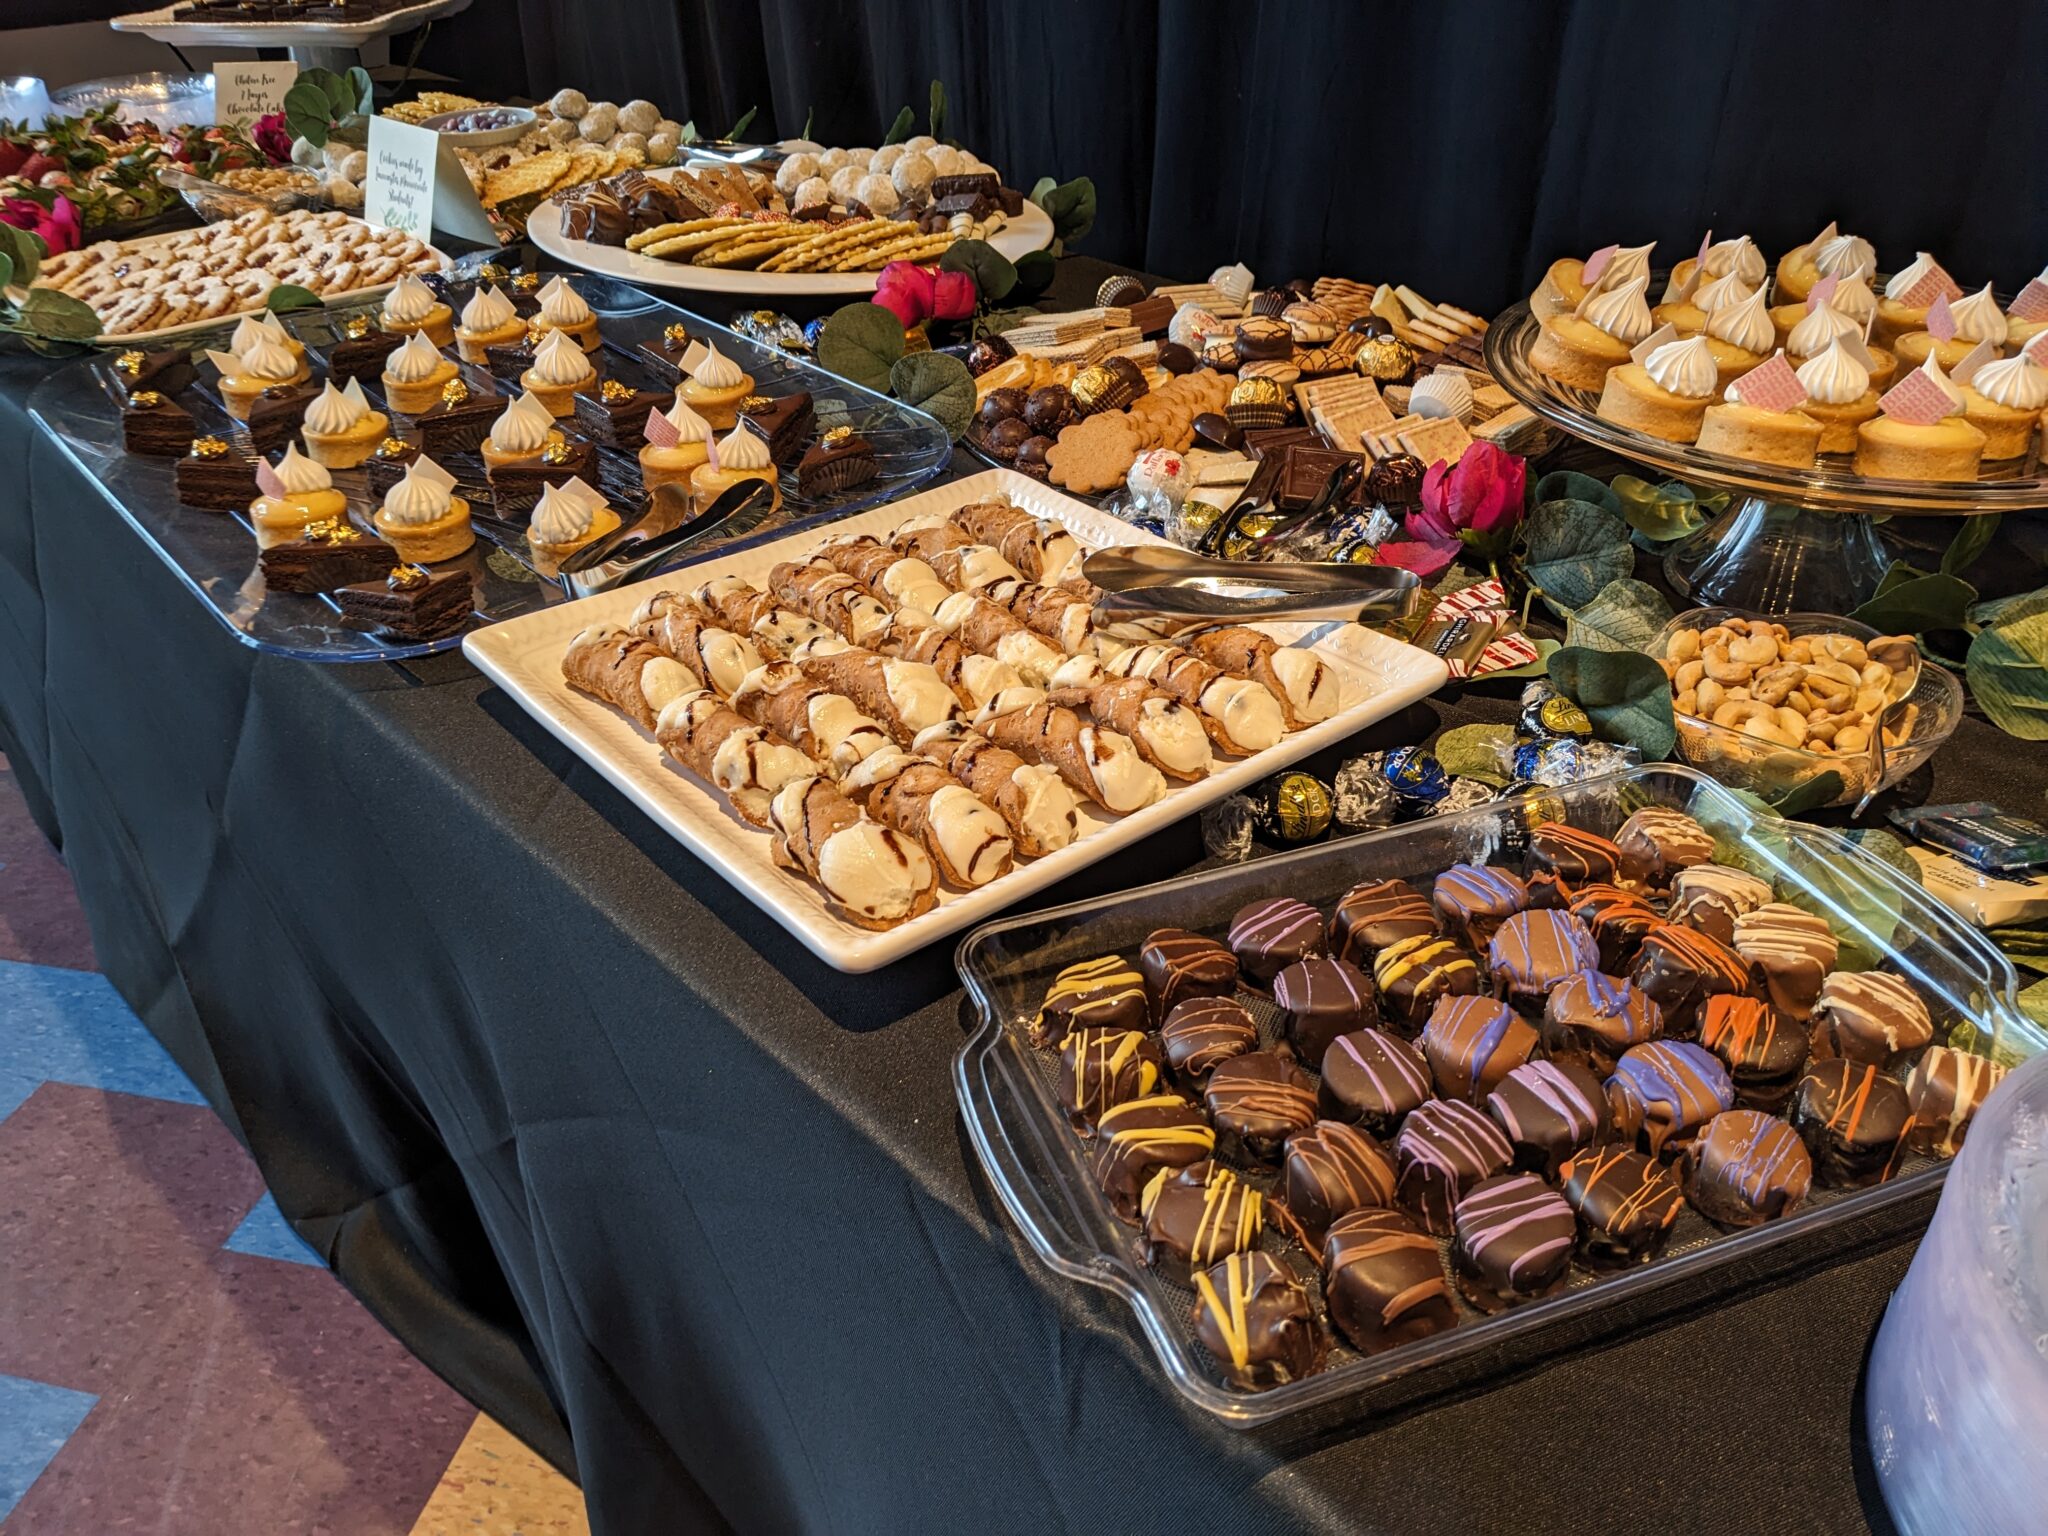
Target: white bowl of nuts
{"x":1768,"y":704}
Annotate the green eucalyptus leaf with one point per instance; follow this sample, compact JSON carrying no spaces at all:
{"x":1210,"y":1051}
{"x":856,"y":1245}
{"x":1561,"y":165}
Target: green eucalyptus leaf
{"x":1659,"y":513}
{"x":1624,"y":615}
{"x":861,"y":342}
{"x":6,"y":268}
{"x":993,"y":275}
{"x":1035,"y":272}
{"x":1823,"y":788}
{"x":1571,"y":549}
{"x":1540,"y":667}
{"x":2008,"y":664}
{"x":810,"y":115}
{"x":1742,"y":842}
{"x":286,"y":297}
{"x":362,"y":91}
{"x":1624,"y":693}
{"x":937,"y":384}
{"x":1477,"y":752}
{"x":900,"y":129}
{"x":738,"y":130}
{"x":1570,"y":485}
{"x":58,"y":316}
{"x":307,"y":111}
{"x":1971,"y":540}
{"x":689,"y":134}
{"x":1041,"y":189}
{"x":935,"y":122}
{"x":24,"y":249}
{"x":341,"y":95}
{"x":1070,"y":206}
{"x":1915,"y":603}
{"x":1822,"y":882}
{"x":1887,"y":847}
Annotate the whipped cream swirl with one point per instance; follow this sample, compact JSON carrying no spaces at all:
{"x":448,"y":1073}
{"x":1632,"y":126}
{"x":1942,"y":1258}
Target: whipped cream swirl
{"x":1621,"y":312}
{"x":1746,"y":325}
{"x":1684,"y":368}
{"x":1834,"y":377}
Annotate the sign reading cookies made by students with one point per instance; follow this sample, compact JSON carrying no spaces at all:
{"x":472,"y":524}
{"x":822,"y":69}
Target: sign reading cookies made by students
{"x":246,"y":89}
{"x":404,"y":163}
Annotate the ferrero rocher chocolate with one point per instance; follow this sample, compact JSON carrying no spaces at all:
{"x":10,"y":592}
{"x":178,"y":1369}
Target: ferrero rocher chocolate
{"x":1256,"y":402}
{"x":1098,"y":388}
{"x":1388,"y":359}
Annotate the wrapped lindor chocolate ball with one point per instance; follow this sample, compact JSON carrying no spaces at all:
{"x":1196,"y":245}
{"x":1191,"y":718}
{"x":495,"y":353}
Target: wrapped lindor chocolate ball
{"x":987,"y":353}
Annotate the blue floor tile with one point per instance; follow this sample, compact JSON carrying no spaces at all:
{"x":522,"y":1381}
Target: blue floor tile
{"x":35,"y":1421}
{"x":265,"y":1233}
{"x":72,"y":1027}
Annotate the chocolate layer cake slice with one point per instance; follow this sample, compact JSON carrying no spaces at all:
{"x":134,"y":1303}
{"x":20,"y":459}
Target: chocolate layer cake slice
{"x":214,"y":476}
{"x":672,"y":354}
{"x":615,"y":413}
{"x":166,"y":370}
{"x":361,"y":352}
{"x":516,"y":487}
{"x":837,"y":462}
{"x":784,"y":421}
{"x":330,"y":555}
{"x":387,"y":465}
{"x":152,"y":424}
{"x":411,"y":603}
{"x":459,"y":421}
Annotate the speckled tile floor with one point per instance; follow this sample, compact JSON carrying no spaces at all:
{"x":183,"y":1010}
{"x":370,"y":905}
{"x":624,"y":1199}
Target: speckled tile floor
{"x":172,"y":1357}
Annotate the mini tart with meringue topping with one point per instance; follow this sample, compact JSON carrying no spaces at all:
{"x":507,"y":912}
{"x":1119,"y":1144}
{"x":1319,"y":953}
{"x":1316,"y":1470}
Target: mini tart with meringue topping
{"x":422,"y":517}
{"x":559,"y":370}
{"x":1829,"y":254}
{"x":411,"y":307}
{"x":340,"y":429}
{"x":2004,"y":400}
{"x":1894,"y":318}
{"x":1667,"y":394}
{"x":716,"y":388}
{"x":1790,"y":438}
{"x":1838,"y":396}
{"x":1736,"y":257}
{"x":246,"y":374}
{"x":488,"y":320}
{"x":1739,"y":336}
{"x":1689,"y":316}
{"x":742,"y":454}
{"x":562,"y":308}
{"x":308,"y":496}
{"x":1563,"y":288}
{"x":522,"y":434}
{"x":1977,"y":317}
{"x":1948,"y":449}
{"x":2019,"y":332}
{"x":566,"y":518}
{"x":1580,"y":349}
{"x":415,"y":374}
{"x":676,"y":462}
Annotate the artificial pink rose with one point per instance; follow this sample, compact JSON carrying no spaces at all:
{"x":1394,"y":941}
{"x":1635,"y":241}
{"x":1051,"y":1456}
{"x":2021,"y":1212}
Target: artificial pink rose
{"x":270,"y":135}
{"x":906,"y":290}
{"x":1425,"y":557}
{"x":1479,"y":496}
{"x":57,"y":226}
{"x":953,"y":296}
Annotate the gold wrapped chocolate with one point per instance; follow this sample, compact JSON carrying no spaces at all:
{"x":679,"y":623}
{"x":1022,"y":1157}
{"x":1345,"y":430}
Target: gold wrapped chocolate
{"x":612,"y":392}
{"x":1198,"y":517}
{"x":209,"y":448}
{"x":1295,"y":806}
{"x":1257,"y":401}
{"x":1387,"y":359}
{"x":916,"y":340}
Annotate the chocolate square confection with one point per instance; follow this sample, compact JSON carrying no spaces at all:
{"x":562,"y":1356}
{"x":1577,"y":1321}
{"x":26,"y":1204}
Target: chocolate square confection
{"x":1264,"y":442}
{"x":983,"y":182}
{"x":412,"y":603}
{"x":1010,"y":200}
{"x":212,"y":475}
{"x":516,"y":487}
{"x":276,"y":415}
{"x":837,"y":462}
{"x":1152,"y":315}
{"x":615,"y":413}
{"x":166,"y":371}
{"x":459,"y":421}
{"x":152,"y":424}
{"x":388,"y":464}
{"x":976,"y":205}
{"x":785,"y":421}
{"x":331,"y":554}
{"x":670,"y":352}
{"x":361,"y":352}
{"x":512,"y":358}
{"x":1304,"y":471}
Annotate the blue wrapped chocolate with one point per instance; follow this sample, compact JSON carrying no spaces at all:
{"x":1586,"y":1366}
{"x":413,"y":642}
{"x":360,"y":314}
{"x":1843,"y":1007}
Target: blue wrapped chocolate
{"x":1418,"y":778}
{"x":1567,"y":760}
{"x":811,"y":331}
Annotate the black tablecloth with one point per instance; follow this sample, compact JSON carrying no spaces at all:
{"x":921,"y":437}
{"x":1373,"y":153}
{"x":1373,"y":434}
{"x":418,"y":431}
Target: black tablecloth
{"x":691,"y":1213}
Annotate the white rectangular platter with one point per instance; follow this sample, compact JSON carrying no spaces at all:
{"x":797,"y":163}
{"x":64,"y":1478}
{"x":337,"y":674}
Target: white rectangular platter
{"x":523,"y":656}
{"x":161,"y":25}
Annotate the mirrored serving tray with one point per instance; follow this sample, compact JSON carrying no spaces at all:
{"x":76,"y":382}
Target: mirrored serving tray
{"x":214,"y":553}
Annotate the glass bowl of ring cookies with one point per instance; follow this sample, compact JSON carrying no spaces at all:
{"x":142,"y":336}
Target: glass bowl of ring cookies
{"x":1417,"y":1106}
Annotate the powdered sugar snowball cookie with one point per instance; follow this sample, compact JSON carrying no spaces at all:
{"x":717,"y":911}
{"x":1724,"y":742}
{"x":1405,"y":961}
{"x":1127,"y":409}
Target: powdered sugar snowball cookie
{"x":569,"y":103}
{"x":1446,"y":395}
{"x":639,"y":116}
{"x":794,"y":172}
{"x":883,"y":160}
{"x":810,"y":194}
{"x":661,"y":149}
{"x":561,"y":130}
{"x":878,"y":194}
{"x":845,"y":183}
{"x":1161,"y":472}
{"x":919,"y":143}
{"x":912,"y":175}
{"x":831,"y":162}
{"x":671,"y":127}
{"x":599,"y":123}
{"x":624,"y":143}
{"x":1192,"y":326}
{"x":946,"y":160}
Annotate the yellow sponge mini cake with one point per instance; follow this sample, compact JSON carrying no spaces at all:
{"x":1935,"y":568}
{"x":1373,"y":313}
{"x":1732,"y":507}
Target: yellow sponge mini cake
{"x":1759,"y":418}
{"x":1920,"y":432}
{"x":1665,"y":394}
{"x":1578,"y":349}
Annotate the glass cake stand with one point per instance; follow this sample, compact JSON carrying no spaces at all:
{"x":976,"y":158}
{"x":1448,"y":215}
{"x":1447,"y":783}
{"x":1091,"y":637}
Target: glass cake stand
{"x":1791,"y":539}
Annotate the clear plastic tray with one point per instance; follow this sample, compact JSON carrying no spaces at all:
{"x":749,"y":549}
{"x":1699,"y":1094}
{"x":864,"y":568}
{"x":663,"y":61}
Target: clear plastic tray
{"x":1041,"y":1169}
{"x":214,"y":553}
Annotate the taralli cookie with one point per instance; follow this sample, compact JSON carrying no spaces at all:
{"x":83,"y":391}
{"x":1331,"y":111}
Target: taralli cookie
{"x":1093,"y":455}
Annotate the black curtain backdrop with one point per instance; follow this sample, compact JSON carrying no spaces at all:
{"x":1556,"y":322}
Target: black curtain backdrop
{"x":1459,"y":145}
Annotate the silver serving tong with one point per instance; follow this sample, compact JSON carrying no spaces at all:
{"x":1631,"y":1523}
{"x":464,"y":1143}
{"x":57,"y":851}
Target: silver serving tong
{"x":1335,"y":492}
{"x":634,"y":552}
{"x":1158,"y":578}
{"x":729,"y":152}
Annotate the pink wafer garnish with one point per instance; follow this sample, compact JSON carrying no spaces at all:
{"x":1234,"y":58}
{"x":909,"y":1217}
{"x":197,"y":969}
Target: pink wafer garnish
{"x":1597,"y":263}
{"x":2032,"y":303}
{"x":1941,"y":321}
{"x":1915,"y":400}
{"x":267,"y":481}
{"x":1773,"y":386}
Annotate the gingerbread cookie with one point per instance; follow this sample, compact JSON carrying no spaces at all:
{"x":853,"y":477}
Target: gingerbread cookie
{"x":1093,"y":455}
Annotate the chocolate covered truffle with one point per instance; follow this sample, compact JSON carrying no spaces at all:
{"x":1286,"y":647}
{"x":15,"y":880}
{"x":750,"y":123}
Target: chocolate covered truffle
{"x":1790,"y":951}
{"x":1141,"y":1136}
{"x":1376,"y":916}
{"x":1104,"y":993}
{"x":1321,"y":999}
{"x":1534,"y":951}
{"x":1550,"y":1110}
{"x":1475,"y":899}
{"x":1257,"y":1101}
{"x":1101,"y":1068}
{"x":1411,"y":976}
{"x":1178,"y":965}
{"x":1619,"y":921}
{"x":1572,"y":856}
{"x":1763,"y":1051}
{"x":1944,"y":1090}
{"x":1203,"y":1032}
{"x":1591,"y":1018}
{"x":1853,"y":1120}
{"x":1656,"y":842}
{"x":1471,"y":1043}
{"x":1330,"y":1168}
{"x":1746,"y":1168}
{"x":1270,"y":935}
{"x":1512,"y":1241}
{"x":1444,"y":1148}
{"x":1197,"y":1215}
{"x":1679,"y":969}
{"x":1710,"y":897}
{"x":1625,"y":1203}
{"x":1383,"y":1281}
{"x":1372,"y":1079}
{"x":1868,"y":1016}
{"x":1256,"y":1319}
{"x":1663,"y":1092}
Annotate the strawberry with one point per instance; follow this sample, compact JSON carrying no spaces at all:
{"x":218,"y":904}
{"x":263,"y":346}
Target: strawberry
{"x":37,"y":166}
{"x":12,"y":157}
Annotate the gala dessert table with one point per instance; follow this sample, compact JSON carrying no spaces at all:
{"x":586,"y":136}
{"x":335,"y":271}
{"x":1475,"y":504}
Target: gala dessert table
{"x":693,"y":1214}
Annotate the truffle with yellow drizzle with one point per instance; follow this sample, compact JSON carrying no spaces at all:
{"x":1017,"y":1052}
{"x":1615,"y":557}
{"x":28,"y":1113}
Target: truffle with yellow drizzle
{"x":1140,"y":1138}
{"x":1255,"y":1318}
{"x":1103,"y":993}
{"x":1197,"y":1215}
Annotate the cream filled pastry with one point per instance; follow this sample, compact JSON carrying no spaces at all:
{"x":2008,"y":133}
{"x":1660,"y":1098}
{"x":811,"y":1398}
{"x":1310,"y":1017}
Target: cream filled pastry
{"x":1579,"y":349}
{"x":415,"y":374}
{"x":568,"y":516}
{"x":245,"y":374}
{"x":2004,"y":400}
{"x":875,"y":873}
{"x":297,"y":492}
{"x":340,"y":428}
{"x":410,"y":306}
{"x":488,"y":320}
{"x":675,"y":446}
{"x":558,"y":370}
{"x":423,"y":518}
{"x":742,"y":454}
{"x":1667,"y":393}
{"x":562,"y":308}
{"x":1838,"y":395}
{"x":1947,"y":448}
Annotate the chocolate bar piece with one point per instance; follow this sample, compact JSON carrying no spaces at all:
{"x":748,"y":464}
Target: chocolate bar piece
{"x":412,"y":603}
{"x":615,"y":413}
{"x":1261,"y":442}
{"x":1151,"y":315}
{"x":983,"y":182}
{"x":1010,"y":200}
{"x":330,"y":555}
{"x":516,"y":487}
{"x":785,"y":421}
{"x":211,"y":475}
{"x":166,"y":371}
{"x":276,"y":415}
{"x":459,"y":421}
{"x":153,"y":424}
{"x":1304,"y":471}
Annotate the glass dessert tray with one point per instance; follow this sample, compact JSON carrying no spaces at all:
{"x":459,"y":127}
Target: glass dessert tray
{"x":1791,"y":538}
{"x":214,"y":555}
